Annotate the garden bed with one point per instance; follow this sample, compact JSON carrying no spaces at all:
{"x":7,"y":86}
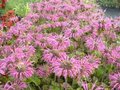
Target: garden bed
{"x":60,"y":45}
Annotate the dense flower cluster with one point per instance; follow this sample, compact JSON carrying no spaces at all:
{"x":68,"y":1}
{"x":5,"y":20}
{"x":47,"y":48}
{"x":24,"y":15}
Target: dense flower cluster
{"x":63,"y":38}
{"x":9,"y":19}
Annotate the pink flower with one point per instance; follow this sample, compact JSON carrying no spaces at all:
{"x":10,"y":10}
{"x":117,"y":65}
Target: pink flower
{"x":67,"y":67}
{"x":53,"y":55}
{"x":88,"y":65}
{"x":16,"y":85}
{"x":21,"y":69}
{"x":115,"y":81}
{"x":24,"y":52}
{"x":51,"y":42}
{"x":18,"y":52}
{"x":95,"y":43}
{"x":85,"y":86}
{"x":107,"y":24}
{"x":110,"y":34}
{"x":92,"y":60}
{"x":3,"y":65}
{"x":73,"y":32}
{"x":32,"y":17}
{"x":94,"y":86}
{"x":20,"y":27}
{"x":40,"y":40}
{"x":14,"y":19}
{"x":29,"y":51}
{"x":44,"y":71}
{"x":60,"y":37}
{"x":6,"y":51}
{"x":85,"y":70}
{"x":63,"y":42}
{"x":1,"y":27}
{"x":25,"y":39}
{"x":114,"y":56}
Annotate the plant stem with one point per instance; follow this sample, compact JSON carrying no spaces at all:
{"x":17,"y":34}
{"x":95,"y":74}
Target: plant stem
{"x":65,"y":83}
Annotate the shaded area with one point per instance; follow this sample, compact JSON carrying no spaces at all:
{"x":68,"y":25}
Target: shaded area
{"x":111,"y":12}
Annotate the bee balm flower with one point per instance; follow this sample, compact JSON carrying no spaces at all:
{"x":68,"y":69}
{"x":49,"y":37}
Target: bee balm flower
{"x":67,"y":67}
{"x":22,"y":69}
{"x":115,"y":81}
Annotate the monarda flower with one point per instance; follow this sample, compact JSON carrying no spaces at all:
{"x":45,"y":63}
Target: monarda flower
{"x":24,"y":52}
{"x":95,"y":43}
{"x":25,"y":39}
{"x":44,"y":71}
{"x":107,"y":23}
{"x":94,"y":86}
{"x":73,"y":32}
{"x":52,"y":55}
{"x":63,"y":42}
{"x":114,"y":56}
{"x":88,"y":65}
{"x":57,"y":42}
{"x":92,"y":60}
{"x":3,"y":65}
{"x":66,"y":67}
{"x":40,"y":40}
{"x":115,"y":81}
{"x":32,"y":17}
{"x":6,"y":51}
{"x":21,"y":69}
{"x":51,"y":42}
{"x":15,"y":85}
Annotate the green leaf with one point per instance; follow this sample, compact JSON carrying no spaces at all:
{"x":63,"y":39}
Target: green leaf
{"x":46,"y":81}
{"x":54,"y":83}
{"x":55,"y":88}
{"x":79,"y":89}
{"x":45,"y":87}
{"x":35,"y":80}
{"x":96,"y":53}
{"x":100,"y":72}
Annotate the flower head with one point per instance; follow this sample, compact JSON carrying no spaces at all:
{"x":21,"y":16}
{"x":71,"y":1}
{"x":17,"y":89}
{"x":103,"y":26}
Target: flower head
{"x":44,"y":71}
{"x":16,"y":85}
{"x":53,"y":55}
{"x":94,"y":86}
{"x":95,"y":44}
{"x":115,"y":81}
{"x":21,"y":69}
{"x":88,"y":65}
{"x":67,"y":67}
{"x":114,"y":56}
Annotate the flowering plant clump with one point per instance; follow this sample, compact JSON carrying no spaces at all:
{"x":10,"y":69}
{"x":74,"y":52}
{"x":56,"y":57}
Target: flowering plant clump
{"x":61,"y":44}
{"x":9,"y":19}
{"x":3,"y":3}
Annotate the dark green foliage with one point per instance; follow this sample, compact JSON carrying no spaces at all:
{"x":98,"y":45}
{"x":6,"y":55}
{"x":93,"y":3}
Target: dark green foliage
{"x":109,"y":3}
